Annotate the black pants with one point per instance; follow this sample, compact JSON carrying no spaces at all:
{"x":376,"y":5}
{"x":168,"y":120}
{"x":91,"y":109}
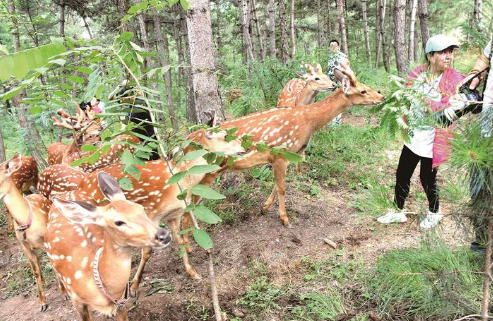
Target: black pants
{"x":407,"y":164}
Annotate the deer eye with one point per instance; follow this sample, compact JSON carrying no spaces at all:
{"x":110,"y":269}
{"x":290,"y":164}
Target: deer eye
{"x":119,"y":223}
{"x":317,"y":78}
{"x":364,"y":92}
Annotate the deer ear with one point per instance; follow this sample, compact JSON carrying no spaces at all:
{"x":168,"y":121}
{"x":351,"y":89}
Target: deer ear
{"x":14,"y":164}
{"x":346,"y":85}
{"x":110,"y":187}
{"x":77,"y":211}
{"x":300,"y":73}
{"x":210,"y":115}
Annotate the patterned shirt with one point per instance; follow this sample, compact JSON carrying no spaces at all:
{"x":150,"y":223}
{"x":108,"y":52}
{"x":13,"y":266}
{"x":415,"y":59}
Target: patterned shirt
{"x":486,"y":116}
{"x":335,"y":59}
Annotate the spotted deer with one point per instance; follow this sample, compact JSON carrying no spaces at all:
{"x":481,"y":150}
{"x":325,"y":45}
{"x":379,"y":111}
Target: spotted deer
{"x":291,"y":127}
{"x":25,"y":179}
{"x":90,"y":248}
{"x":157,"y":196}
{"x":302,"y":91}
{"x":30,"y":216}
{"x":59,"y":179}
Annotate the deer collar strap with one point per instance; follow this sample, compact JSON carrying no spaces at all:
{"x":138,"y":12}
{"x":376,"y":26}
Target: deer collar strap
{"x":120,"y":303}
{"x":23,"y":227}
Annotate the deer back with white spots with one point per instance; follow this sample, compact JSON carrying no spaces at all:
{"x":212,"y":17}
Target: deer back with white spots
{"x":90,"y":247}
{"x":292,"y":128}
{"x":303,"y":90}
{"x":30,"y":215}
{"x":59,"y":179}
{"x":157,"y":196}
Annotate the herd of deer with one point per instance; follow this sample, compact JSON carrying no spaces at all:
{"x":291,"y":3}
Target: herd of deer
{"x":87,"y":225}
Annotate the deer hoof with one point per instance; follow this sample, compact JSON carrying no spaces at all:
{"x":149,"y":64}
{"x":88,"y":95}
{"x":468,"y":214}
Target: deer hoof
{"x":196,"y":277}
{"x":133,"y":293}
{"x":66,"y":297}
{"x":44,"y":307}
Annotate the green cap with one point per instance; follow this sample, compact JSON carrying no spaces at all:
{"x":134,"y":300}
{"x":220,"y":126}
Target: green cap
{"x":439,"y":43}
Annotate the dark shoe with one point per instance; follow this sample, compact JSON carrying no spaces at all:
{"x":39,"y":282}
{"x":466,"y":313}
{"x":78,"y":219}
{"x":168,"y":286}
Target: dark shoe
{"x":476,"y":247}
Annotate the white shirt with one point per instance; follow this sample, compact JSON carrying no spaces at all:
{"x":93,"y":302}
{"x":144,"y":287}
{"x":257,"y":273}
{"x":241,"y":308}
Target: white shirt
{"x":422,"y":134}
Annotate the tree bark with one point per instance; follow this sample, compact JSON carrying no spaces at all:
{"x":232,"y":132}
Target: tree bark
{"x":476,"y":15}
{"x":261,"y":44}
{"x":204,"y":80}
{"x":31,"y":135}
{"x":123,"y":8}
{"x":163,"y":48}
{"x":342,"y":24}
{"x":284,"y":34}
{"x":293,"y":36}
{"x":87,"y":27}
{"x":378,"y":33}
{"x":245,"y":22}
{"x":399,"y":36}
{"x":423,"y":20}
{"x":62,"y":18}
{"x":386,"y":63}
{"x":329,"y":26}
{"x":319,"y":27}
{"x":487,"y":275}
{"x":177,"y":32}
{"x":272,"y":29}
{"x":412,"y":23}
{"x":3,"y":155}
{"x":366,"y":31}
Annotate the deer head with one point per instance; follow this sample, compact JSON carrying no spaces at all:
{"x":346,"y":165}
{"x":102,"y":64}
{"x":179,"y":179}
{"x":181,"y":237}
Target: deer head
{"x":358,"y":93}
{"x":7,"y":169}
{"x":316,"y":79}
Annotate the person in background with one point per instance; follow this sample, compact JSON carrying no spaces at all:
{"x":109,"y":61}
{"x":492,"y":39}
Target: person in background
{"x":96,"y":106}
{"x":429,"y":143}
{"x":337,"y":59}
{"x":480,"y":178}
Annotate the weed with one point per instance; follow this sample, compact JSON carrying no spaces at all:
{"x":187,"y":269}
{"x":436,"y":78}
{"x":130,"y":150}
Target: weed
{"x":262,"y":295}
{"x":325,"y":305}
{"x":431,"y":282}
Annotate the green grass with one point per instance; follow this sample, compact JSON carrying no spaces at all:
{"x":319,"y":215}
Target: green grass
{"x":431,"y":282}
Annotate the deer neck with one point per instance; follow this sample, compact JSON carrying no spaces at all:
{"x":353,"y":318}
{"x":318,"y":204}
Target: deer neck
{"x":114,"y":267}
{"x":319,"y":114}
{"x":307,"y":95}
{"x":16,"y":204}
{"x":190,"y":180}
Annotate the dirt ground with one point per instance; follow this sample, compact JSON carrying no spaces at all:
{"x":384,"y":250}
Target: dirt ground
{"x":255,"y":237}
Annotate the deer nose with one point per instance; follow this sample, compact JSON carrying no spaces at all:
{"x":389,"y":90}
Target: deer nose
{"x":163,"y":236}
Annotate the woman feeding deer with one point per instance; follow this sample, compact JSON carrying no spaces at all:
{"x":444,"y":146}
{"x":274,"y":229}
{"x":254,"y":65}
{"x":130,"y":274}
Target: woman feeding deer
{"x":430,"y":122}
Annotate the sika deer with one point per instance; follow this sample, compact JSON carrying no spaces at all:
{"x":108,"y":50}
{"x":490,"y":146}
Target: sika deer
{"x":30,"y":215}
{"x":292,"y":127}
{"x":59,"y":179}
{"x":158,"y":198}
{"x":90,"y":248}
{"x":24,"y":179}
{"x":299,"y":92}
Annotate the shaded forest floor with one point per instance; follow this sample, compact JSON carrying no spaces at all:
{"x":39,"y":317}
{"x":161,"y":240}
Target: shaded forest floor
{"x":260,"y":266}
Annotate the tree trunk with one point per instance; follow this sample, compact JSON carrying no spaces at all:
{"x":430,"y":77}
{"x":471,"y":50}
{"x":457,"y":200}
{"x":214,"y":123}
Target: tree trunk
{"x":378,"y":34}
{"x":365,"y":24}
{"x":251,"y":32}
{"x":386,"y":63}
{"x":245,"y":29}
{"x":204,"y":80}
{"x":329,"y":26}
{"x":62,"y":18}
{"x":272,"y":29}
{"x":342,"y":24}
{"x":476,"y":15}
{"x":3,"y":155}
{"x":284,"y":33}
{"x":487,"y":275}
{"x":31,"y":135}
{"x":319,"y":27}
{"x":87,"y":27}
{"x":423,"y":20}
{"x":263,"y":51}
{"x":123,"y":8}
{"x":177,"y":32}
{"x":399,"y":36}
{"x":163,"y":49}
{"x":412,"y":23}
{"x":293,"y":36}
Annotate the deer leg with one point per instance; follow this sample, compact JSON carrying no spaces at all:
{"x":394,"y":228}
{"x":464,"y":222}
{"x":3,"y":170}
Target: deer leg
{"x":83,"y":310}
{"x":174,"y":225}
{"x":280,"y":166}
{"x":62,"y":289}
{"x":270,"y":200}
{"x":298,"y":165}
{"x":146,"y":254}
{"x":121,"y":315}
{"x":34,"y":261}
{"x":10,"y":222}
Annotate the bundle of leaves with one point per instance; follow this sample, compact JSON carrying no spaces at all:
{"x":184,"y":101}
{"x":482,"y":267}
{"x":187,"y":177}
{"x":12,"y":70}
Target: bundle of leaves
{"x":432,"y":282}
